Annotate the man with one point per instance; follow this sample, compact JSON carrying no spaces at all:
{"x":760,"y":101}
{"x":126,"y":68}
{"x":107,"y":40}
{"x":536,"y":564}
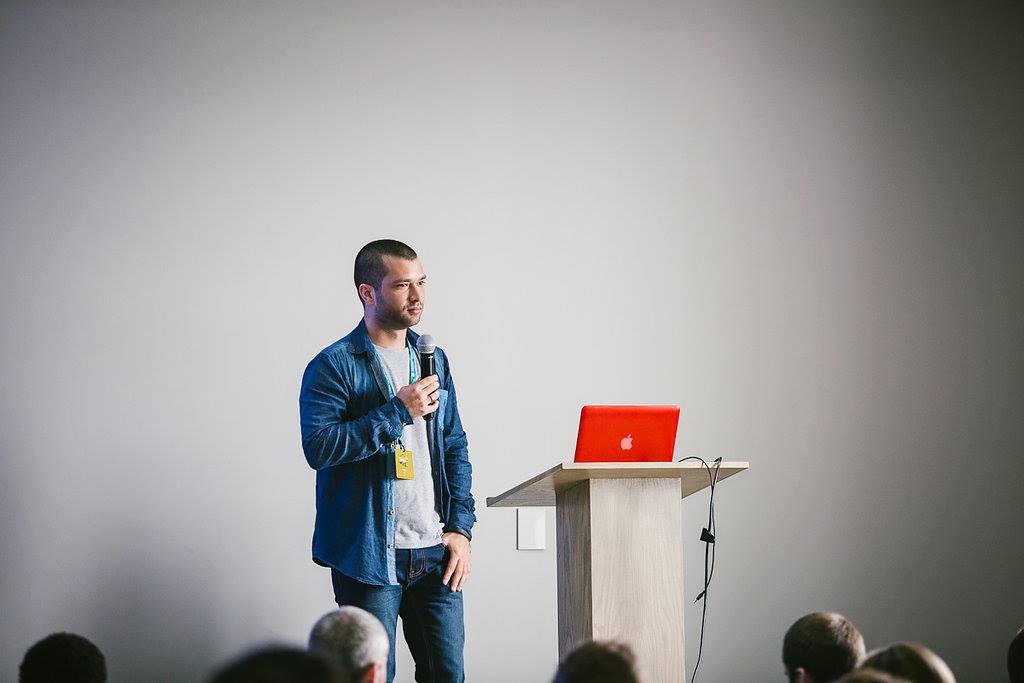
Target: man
{"x":597,"y":662}
{"x":821,"y":647}
{"x":356,"y":641}
{"x":393,"y":520}
{"x":63,"y":657}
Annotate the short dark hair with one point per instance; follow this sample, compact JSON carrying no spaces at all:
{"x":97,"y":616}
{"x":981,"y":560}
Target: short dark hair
{"x":279,"y":664}
{"x":1015,"y":658}
{"x":369,"y":268}
{"x":63,"y":657}
{"x":912,"y":661}
{"x":597,"y":662}
{"x":824,"y":644}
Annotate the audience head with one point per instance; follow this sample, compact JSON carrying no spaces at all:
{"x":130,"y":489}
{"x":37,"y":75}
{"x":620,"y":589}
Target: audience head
{"x":355,"y":640}
{"x":820,"y":647}
{"x":869,"y":676}
{"x":279,"y":664}
{"x":63,"y":657}
{"x":911,"y":661}
{"x":1015,"y":658}
{"x":596,"y":662}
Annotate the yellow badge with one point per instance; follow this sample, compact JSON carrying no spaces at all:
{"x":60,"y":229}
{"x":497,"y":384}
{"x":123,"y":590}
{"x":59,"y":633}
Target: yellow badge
{"x":403,"y":463}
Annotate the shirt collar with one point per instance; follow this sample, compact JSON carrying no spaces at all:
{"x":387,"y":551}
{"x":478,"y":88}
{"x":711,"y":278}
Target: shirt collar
{"x":359,"y":338}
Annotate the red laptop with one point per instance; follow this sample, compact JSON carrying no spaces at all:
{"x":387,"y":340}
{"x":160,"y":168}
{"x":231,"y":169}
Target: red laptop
{"x":627,"y":433}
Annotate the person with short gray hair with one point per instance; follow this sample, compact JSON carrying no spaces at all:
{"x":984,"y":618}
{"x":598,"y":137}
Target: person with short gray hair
{"x":355,"y":641}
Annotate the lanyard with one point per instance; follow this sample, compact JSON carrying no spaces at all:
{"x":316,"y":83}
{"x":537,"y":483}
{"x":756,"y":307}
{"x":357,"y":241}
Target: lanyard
{"x":387,"y":376}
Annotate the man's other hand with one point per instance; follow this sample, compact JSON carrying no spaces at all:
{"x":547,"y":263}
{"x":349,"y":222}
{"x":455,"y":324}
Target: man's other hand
{"x":457,"y":572}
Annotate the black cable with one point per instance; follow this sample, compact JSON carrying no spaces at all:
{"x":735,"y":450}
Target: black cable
{"x":708,"y":537}
{"x":718,"y":465}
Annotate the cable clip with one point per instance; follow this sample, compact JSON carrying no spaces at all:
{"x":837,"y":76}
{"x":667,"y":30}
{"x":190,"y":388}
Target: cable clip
{"x":706,"y":536}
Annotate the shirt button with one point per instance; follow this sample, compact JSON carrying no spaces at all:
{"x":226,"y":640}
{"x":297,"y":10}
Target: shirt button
{"x":391,"y":513}
{"x":391,"y":545}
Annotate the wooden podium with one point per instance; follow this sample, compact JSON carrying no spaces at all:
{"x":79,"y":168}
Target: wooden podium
{"x":620,"y":553}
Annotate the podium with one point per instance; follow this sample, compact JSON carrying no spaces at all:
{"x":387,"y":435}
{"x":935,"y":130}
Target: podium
{"x":619,"y":532}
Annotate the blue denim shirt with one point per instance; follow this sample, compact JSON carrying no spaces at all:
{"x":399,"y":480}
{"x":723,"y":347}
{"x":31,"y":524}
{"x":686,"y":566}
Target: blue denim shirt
{"x":348,"y":428}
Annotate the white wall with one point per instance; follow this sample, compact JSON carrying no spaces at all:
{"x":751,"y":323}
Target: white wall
{"x":799,"y":222}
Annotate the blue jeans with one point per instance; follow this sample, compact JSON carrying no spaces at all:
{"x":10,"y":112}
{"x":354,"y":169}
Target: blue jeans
{"x":431,"y":613}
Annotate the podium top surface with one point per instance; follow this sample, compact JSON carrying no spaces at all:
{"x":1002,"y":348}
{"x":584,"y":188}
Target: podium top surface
{"x":540,"y":490}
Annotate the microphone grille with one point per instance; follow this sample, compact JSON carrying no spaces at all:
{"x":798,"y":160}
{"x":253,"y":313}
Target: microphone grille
{"x":425,"y":344}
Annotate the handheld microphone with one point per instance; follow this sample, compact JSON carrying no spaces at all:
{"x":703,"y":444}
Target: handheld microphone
{"x":425,"y":346}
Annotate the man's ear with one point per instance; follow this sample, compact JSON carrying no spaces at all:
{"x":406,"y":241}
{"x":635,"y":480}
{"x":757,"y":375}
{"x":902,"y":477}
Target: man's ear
{"x":801,"y":676}
{"x":366,"y":293}
{"x":375,"y":673}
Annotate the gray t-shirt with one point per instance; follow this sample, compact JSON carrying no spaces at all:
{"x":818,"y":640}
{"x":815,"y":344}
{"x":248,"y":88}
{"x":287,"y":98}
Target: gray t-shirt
{"x":417,"y":524}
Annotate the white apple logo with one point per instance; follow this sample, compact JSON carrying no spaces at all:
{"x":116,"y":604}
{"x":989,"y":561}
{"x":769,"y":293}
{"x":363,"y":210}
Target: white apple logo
{"x":627,"y":442}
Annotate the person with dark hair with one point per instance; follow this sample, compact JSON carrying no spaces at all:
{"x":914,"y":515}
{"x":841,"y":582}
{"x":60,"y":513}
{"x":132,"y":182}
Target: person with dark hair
{"x":65,"y":657}
{"x":279,"y":664}
{"x":355,"y":641}
{"x":371,"y":263}
{"x":869,"y":676}
{"x":394,"y":510}
{"x":821,"y":647}
{"x":1015,"y":658}
{"x":598,"y":662}
{"x":911,"y":661}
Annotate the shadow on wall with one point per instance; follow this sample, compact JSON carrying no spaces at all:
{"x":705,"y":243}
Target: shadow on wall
{"x":152,"y":609}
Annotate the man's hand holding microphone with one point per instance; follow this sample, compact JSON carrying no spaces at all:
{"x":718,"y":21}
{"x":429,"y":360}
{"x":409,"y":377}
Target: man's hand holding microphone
{"x":420,"y":397}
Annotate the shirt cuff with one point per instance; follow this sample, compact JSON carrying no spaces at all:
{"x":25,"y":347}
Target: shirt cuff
{"x":403,"y":412}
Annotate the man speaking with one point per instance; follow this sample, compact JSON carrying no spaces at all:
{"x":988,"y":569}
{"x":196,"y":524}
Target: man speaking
{"x":393,"y":515}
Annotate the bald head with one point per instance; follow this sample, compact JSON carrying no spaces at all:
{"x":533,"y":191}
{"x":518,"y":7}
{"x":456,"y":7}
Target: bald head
{"x":821,"y":647}
{"x":355,"y":640}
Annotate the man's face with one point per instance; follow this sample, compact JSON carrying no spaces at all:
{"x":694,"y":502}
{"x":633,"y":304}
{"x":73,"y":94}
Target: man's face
{"x":399,"y":301}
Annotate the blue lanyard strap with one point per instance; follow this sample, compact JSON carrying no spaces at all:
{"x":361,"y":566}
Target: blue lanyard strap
{"x":387,"y":377}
